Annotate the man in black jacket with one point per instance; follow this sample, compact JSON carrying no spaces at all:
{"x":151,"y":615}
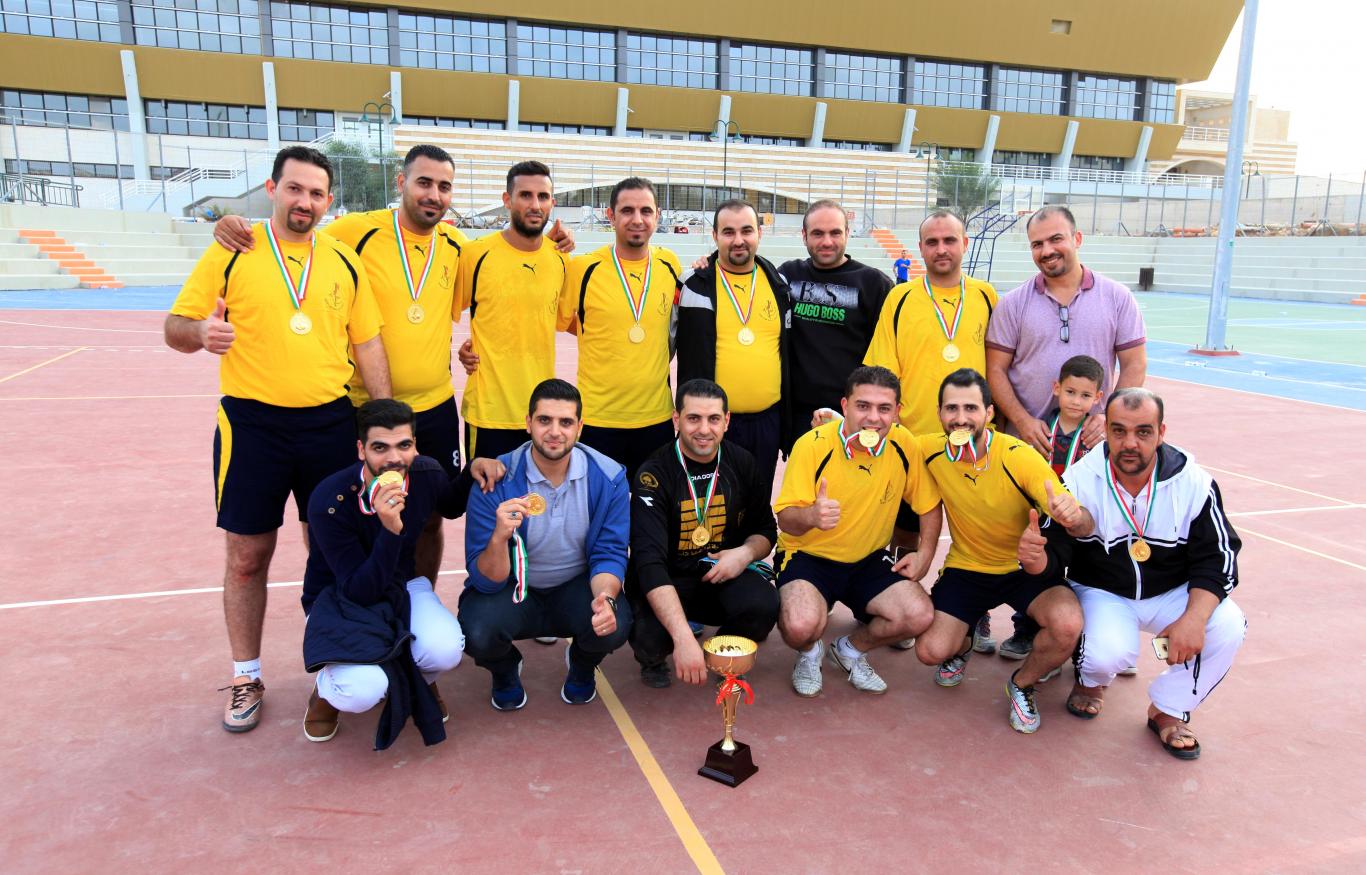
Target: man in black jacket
{"x":733,"y":317}
{"x":700,"y":521}
{"x":372,"y":622}
{"x":1162,"y":558}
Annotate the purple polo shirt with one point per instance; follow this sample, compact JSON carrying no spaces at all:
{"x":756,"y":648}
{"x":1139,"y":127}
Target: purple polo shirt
{"x":1103,"y":319}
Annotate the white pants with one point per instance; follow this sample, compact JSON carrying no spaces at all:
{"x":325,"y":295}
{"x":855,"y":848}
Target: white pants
{"x":1109,"y":644}
{"x":437,"y":646}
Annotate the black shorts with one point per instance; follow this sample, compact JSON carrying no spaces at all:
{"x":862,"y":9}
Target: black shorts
{"x":854,"y":583}
{"x":629,"y":446}
{"x":967,"y":595}
{"x":438,"y":435}
{"x":801,"y":421}
{"x":490,"y":443}
{"x":263,"y":453}
{"x":907,"y":520}
{"x":760,"y":433}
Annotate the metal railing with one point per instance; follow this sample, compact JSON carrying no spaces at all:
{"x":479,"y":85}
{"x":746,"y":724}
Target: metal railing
{"x":1204,"y":134}
{"x":1121,"y":177}
{"x":25,"y":189}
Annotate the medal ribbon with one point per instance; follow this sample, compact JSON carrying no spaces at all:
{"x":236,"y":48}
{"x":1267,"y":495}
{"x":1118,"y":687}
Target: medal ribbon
{"x":850,"y":442}
{"x":1072,"y":454}
{"x":366,"y":497}
{"x":730,"y":685}
{"x":414,"y":290}
{"x":299,"y":292}
{"x":1123,"y":508}
{"x":735,"y":302}
{"x":518,"y":568}
{"x":949,"y":333}
{"x":637,"y":308}
{"x":956,"y":453}
{"x":699,"y":510}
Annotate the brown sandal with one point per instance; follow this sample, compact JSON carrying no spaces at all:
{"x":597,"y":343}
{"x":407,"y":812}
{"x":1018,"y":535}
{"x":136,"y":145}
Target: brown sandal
{"x":1081,"y":699}
{"x":1166,"y":727}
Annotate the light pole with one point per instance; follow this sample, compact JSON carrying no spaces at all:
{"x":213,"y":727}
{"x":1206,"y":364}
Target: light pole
{"x":724,"y":127}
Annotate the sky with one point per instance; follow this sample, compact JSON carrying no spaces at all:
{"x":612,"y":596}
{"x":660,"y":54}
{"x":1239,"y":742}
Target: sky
{"x":1306,"y":59}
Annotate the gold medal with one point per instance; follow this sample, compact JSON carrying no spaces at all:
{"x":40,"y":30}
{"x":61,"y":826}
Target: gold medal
{"x":300,"y":324}
{"x":960,"y":437}
{"x":636,"y":334}
{"x":951,"y":352}
{"x":535,"y":504}
{"x":701,"y":536}
{"x":746,"y":336}
{"x":389,"y":477}
{"x":416,"y":314}
{"x":868,"y":438}
{"x":1139,"y":550}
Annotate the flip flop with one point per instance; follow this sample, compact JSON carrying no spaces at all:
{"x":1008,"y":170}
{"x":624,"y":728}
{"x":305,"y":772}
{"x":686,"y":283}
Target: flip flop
{"x":1078,"y":699}
{"x":1181,"y":753}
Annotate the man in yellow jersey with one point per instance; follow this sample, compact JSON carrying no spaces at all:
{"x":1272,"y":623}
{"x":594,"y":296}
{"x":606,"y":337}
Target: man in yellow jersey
{"x":732,"y":329}
{"x":511,"y":283}
{"x":841,"y":488}
{"x":619,"y":300}
{"x":992,"y":485}
{"x":284,"y":317}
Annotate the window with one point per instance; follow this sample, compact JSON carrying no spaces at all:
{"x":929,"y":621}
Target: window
{"x":329,"y":33}
{"x":566,"y":53}
{"x":546,"y":128}
{"x":1061,"y":26}
{"x":761,"y":140}
{"x":206,"y":120}
{"x":39,"y":109}
{"x":951,"y":154}
{"x":771,"y":69}
{"x":80,"y":169}
{"x":1022,"y":159}
{"x":659,"y":60}
{"x":1036,"y":91}
{"x":428,"y":121}
{"x":69,"y":19}
{"x":1097,"y":162}
{"x":305,"y":125}
{"x":858,"y":145}
{"x":1161,"y":102}
{"x":1101,"y":97}
{"x":438,"y":42}
{"x":232,"y":26}
{"x":862,"y":77}
{"x":940,"y":83}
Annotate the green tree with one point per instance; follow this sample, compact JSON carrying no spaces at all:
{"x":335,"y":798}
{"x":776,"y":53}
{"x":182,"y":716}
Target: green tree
{"x":965,"y":186}
{"x":362,"y":177}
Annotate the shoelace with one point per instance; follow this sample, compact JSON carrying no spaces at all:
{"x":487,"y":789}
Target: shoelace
{"x":1028,"y":693}
{"x":240,"y":692}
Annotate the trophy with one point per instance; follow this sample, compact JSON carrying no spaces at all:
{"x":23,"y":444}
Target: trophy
{"x":729,"y":761}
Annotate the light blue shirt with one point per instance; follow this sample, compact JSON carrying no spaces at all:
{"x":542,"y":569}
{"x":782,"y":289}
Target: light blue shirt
{"x":556,"y":541}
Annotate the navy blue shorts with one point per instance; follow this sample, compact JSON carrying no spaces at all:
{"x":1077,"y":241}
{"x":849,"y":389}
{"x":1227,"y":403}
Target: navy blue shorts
{"x":629,"y":446}
{"x":438,"y":435}
{"x":490,"y":443}
{"x":967,"y":595}
{"x":761,"y":434}
{"x":854,"y":583}
{"x":262,"y":454}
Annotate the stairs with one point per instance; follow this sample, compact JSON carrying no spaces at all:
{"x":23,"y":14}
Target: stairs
{"x":71,"y":261}
{"x":892,"y":245}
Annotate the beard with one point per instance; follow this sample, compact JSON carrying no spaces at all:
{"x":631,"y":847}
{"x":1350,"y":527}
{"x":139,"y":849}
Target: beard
{"x":416,"y":213}
{"x":520,"y":225}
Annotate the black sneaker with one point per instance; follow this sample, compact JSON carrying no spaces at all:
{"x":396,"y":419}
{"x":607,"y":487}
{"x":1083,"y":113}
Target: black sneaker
{"x":1017,"y":646}
{"x":656,"y":675}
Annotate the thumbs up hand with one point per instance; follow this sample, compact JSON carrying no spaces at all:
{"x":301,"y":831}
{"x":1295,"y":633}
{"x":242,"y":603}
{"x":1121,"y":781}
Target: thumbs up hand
{"x":1032,"y":551}
{"x":215,"y":333}
{"x":1063,"y":507}
{"x":827,"y":509}
{"x":562,"y":237}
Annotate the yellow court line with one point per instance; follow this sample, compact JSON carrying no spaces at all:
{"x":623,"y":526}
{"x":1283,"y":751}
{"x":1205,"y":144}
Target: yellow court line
{"x":1243,"y":529}
{"x":1274,"y":483}
{"x":44,"y":364}
{"x":97,"y":397}
{"x":693,"y":843}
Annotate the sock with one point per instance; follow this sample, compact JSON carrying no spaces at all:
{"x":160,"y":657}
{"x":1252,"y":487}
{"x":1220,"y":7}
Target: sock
{"x":847,"y":649}
{"x":812,"y":653}
{"x":251,"y":668}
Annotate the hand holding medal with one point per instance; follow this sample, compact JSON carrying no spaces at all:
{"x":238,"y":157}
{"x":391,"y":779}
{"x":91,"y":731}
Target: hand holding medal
{"x":388,"y":497}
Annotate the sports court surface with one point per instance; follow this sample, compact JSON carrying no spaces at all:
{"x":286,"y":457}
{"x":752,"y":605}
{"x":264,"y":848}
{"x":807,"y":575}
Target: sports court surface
{"x":114,"y":649}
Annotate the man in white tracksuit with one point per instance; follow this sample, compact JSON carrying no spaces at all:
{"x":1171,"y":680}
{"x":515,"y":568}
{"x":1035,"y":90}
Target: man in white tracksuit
{"x":1162,"y":559}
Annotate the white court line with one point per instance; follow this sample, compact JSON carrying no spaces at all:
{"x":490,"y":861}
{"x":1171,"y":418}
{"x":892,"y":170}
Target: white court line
{"x":81,"y":328}
{"x":1243,"y":513}
{"x":1340,"y":501}
{"x":1257,"y":394}
{"x":1293,"y":546}
{"x":84,"y":600}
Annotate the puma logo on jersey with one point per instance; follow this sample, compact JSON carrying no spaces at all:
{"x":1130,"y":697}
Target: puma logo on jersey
{"x":636,"y":276}
{"x":418,"y":247}
{"x":867,"y":469}
{"x":972,"y":477}
{"x":298,"y":261}
{"x":530,"y":267}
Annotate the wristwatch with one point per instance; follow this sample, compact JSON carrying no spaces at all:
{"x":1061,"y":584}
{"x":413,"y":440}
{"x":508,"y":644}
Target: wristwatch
{"x":612,"y":603}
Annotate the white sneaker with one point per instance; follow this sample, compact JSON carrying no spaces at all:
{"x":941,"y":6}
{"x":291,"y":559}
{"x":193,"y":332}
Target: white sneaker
{"x":903,"y":644}
{"x":861,"y":674}
{"x":1128,"y":672}
{"x":1048,"y":676}
{"x":1024,"y":715}
{"x":546,"y":639}
{"x":806,"y":674}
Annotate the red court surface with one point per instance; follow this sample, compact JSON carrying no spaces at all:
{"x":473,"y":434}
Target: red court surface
{"x":114,"y":760}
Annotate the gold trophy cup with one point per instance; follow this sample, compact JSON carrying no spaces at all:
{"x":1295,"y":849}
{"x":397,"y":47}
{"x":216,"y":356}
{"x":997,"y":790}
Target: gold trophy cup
{"x":729,"y":761}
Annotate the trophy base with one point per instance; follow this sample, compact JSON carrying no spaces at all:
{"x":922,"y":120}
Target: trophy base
{"x":728,"y":768}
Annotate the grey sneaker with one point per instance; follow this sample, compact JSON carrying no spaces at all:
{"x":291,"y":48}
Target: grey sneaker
{"x":1049,"y":675}
{"x":546,"y":640}
{"x":1017,"y":646}
{"x":861,"y":674}
{"x":806,"y":674}
{"x":950,"y":672}
{"x":1024,"y":716}
{"x":982,"y":642}
{"x":1129,"y":672}
{"x":903,"y":644}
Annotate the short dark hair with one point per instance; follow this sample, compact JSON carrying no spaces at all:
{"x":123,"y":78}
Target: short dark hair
{"x":825,"y":204}
{"x":1132,"y":397}
{"x":1052,"y":210}
{"x":555,"y":389}
{"x":383,"y":413}
{"x":300,"y":153}
{"x":872,"y":375}
{"x":734,"y":203}
{"x":963,"y":378}
{"x":1085,"y":367}
{"x":943,"y":213}
{"x":427,"y":150}
{"x":631,"y":183}
{"x":699,"y":387}
{"x":526,"y":168}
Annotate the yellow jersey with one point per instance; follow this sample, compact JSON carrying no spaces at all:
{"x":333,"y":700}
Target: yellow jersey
{"x":751,"y":374}
{"x":514,"y":300}
{"x":268,"y":360}
{"x":625,"y":383}
{"x":419,"y":349}
{"x":909,"y":341}
{"x":869,"y":488}
{"x":988,"y":506}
